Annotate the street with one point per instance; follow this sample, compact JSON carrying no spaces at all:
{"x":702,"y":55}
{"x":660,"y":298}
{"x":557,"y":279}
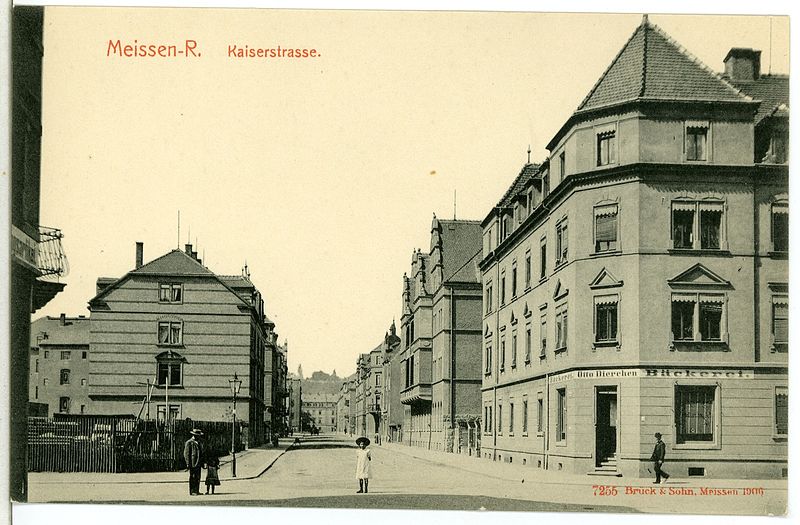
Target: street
{"x":319,"y":472}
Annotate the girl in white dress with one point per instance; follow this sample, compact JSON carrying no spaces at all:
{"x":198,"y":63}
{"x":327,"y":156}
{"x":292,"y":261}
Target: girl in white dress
{"x":363,"y":460}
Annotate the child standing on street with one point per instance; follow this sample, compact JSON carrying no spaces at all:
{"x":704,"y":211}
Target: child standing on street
{"x":212,"y":473}
{"x":363,"y":460}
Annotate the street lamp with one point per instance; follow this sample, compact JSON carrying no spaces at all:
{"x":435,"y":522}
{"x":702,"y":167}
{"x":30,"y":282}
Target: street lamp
{"x":236,"y":384}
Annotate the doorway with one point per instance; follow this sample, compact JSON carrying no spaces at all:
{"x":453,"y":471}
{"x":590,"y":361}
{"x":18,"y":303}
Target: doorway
{"x":606,"y":427}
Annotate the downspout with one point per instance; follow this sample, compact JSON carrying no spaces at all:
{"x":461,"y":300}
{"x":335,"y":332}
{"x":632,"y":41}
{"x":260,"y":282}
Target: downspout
{"x":496,"y":367}
{"x":546,"y":410}
{"x":453,"y":366}
{"x":756,"y":276}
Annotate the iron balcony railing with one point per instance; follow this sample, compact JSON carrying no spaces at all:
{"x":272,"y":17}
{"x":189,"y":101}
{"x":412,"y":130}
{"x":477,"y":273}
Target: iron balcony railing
{"x":50,"y":257}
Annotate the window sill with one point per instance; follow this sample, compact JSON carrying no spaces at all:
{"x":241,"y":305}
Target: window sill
{"x":166,"y":345}
{"x":171,"y":386}
{"x":606,"y":253}
{"x":543,"y":355}
{"x":542,"y":279}
{"x":780,"y":255}
{"x":780,"y":437}
{"x":779,"y":348}
{"x":605,"y":344}
{"x":560,"y":350}
{"x":527,"y":361}
{"x":713,"y":252}
{"x":528,"y":288}
{"x":524,"y":434}
{"x":700,"y":346}
{"x":539,"y":434}
{"x":562,"y":443}
{"x":697,"y":446}
{"x":560,"y":264}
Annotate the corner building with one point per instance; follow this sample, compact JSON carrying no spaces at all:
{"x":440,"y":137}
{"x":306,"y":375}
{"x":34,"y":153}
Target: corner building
{"x":636,"y":281}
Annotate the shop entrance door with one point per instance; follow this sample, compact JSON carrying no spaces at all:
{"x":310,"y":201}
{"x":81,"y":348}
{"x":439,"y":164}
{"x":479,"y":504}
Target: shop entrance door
{"x":606,"y":428}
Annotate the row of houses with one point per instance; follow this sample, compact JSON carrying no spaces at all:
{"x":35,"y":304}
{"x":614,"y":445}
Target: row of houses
{"x":167,"y":340}
{"x":635,"y":281}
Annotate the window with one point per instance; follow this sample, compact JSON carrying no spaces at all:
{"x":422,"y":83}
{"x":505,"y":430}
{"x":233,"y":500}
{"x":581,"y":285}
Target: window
{"x":696,"y":141}
{"x":780,"y":227}
{"x":527,"y":269}
{"x":84,"y":354}
{"x":546,"y":183}
{"x":500,"y":418}
{"x":606,"y":148}
{"x":605,"y":316}
{"x":539,"y":413}
{"x":63,"y":405}
{"x":781,"y":411}
{"x":47,"y":354}
{"x":83,"y":409}
{"x":780,"y":320}
{"x":36,"y":392}
{"x":514,"y":279}
{"x":686,"y":231}
{"x":488,"y":361}
{"x":65,"y":354}
{"x":543,"y":336}
{"x":64,"y":376}
{"x":605,"y":228}
{"x":170,"y":333}
{"x":502,"y":352}
{"x":174,"y":412}
{"x":170,"y":293}
{"x":45,"y":381}
{"x":514,"y":349}
{"x":37,"y":366}
{"x":528,"y":343}
{"x":704,"y":311}
{"x":543,"y":258}
{"x":561,"y":417}
{"x":511,"y":418}
{"x":562,"y":165}
{"x":169,"y":369}
{"x":83,"y":382}
{"x":525,"y":415}
{"x":488,"y":297}
{"x":561,"y":327}
{"x":694,"y":413}
{"x":502,"y":288}
{"x":562,"y":243}
{"x":377,"y":380}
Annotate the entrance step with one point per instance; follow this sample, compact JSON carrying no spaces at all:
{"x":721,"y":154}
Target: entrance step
{"x":610,"y":473}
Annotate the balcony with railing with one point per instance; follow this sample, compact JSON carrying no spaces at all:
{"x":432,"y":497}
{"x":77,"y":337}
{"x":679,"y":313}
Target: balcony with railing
{"x":45,"y":258}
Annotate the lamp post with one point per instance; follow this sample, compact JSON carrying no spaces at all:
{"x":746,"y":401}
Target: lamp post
{"x":236,"y":384}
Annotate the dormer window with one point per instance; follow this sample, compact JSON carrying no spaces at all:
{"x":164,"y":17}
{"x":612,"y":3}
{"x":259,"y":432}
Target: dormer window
{"x":697,"y":141}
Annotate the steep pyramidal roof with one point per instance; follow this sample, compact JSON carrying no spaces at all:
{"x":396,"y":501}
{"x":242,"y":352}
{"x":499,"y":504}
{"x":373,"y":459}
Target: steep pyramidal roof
{"x":652,"y":66}
{"x":176,"y":263}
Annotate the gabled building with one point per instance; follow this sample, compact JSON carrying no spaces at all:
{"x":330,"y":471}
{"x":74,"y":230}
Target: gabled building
{"x":59,"y":366}
{"x":174,"y":323}
{"x":636,"y":281}
{"x":440,"y":348}
{"x":391,"y":408}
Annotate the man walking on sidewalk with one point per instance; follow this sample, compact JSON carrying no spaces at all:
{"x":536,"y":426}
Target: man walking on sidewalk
{"x":193,"y":455}
{"x":659,"y":452}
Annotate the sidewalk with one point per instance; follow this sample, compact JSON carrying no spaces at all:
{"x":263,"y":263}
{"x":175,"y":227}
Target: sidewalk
{"x":250,"y":463}
{"x":531,"y":474}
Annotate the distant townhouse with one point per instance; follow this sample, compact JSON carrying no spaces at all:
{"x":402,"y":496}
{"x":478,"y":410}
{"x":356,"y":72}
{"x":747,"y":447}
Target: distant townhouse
{"x":295,"y":403}
{"x":636,"y":281}
{"x":59,"y":368}
{"x":392,"y":410}
{"x":322,"y":409}
{"x":174,"y":323}
{"x":369,"y":394}
{"x":441,"y":341}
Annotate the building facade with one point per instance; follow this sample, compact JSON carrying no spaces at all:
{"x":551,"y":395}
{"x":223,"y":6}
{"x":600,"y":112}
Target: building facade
{"x":175,"y":324}
{"x":392,"y":410}
{"x":294,"y":403}
{"x":636,"y":281}
{"x":322,"y":411}
{"x":59,"y":364}
{"x":440,"y":349}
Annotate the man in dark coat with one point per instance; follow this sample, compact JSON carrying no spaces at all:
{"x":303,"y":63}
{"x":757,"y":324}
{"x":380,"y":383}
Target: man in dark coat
{"x":659,"y":452}
{"x":193,"y":455}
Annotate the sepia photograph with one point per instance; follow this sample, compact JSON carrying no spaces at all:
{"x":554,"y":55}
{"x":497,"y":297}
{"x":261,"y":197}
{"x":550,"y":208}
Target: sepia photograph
{"x":351,"y":260}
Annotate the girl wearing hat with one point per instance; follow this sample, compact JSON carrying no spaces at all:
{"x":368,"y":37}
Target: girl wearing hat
{"x":363,"y":460}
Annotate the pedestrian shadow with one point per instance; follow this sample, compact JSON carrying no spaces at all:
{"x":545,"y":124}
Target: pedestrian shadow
{"x":318,"y":446}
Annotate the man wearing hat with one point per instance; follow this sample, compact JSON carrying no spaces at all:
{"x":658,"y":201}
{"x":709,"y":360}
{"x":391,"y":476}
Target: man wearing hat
{"x":363,"y":459}
{"x":659,"y":452}
{"x":193,"y":455}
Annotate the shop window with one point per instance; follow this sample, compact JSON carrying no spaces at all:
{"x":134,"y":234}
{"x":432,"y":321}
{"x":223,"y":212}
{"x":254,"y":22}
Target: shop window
{"x":780,"y":227}
{"x":561,"y":416}
{"x":695,"y":413}
{"x":605,"y":228}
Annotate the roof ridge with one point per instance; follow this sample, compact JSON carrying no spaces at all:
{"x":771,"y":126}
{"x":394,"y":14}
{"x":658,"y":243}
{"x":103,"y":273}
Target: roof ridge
{"x":614,"y":61}
{"x":696,"y":61}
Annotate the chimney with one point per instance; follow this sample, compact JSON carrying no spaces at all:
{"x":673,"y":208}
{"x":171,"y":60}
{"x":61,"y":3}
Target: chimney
{"x":62,"y":320}
{"x":139,"y":254}
{"x":743,"y":63}
{"x":188,"y":249}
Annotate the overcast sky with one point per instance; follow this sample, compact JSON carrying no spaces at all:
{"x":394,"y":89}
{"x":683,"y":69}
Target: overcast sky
{"x":322,"y":174}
